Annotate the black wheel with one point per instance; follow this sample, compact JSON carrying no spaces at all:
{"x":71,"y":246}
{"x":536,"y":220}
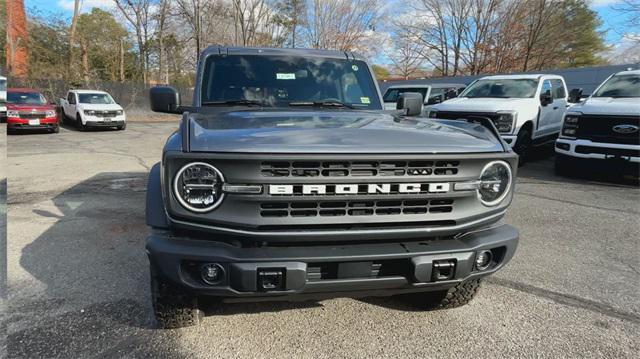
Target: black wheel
{"x":455,"y":297}
{"x":56,"y":129}
{"x":523,"y":145}
{"x":564,"y":166}
{"x":122,"y":127}
{"x":173,"y":307}
{"x":79,"y":125}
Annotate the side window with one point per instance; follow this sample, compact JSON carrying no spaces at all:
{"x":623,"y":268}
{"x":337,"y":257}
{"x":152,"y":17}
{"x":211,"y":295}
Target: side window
{"x":546,"y":86}
{"x":391,"y":95}
{"x":71,"y":98}
{"x":436,"y":93}
{"x":558,"y":89}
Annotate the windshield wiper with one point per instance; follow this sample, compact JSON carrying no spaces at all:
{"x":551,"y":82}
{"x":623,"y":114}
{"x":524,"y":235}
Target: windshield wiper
{"x":235,"y":103}
{"x":325,"y":103}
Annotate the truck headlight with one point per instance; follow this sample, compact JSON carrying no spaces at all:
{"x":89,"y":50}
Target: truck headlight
{"x":433,"y":114}
{"x":50,"y":113}
{"x":198,"y":187}
{"x":495,"y":182}
{"x":90,"y":112}
{"x":119,"y":112}
{"x":504,"y":122}
{"x":570,"y":125}
{"x":14,"y":114}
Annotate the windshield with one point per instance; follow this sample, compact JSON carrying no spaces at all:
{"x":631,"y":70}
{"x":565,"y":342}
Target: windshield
{"x":27,"y":98}
{"x":392,"y":94}
{"x":95,"y":98}
{"x":518,"y":88}
{"x":620,"y":86}
{"x":281,"y":80}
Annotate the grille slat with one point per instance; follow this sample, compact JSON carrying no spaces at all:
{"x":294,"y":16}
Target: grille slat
{"x":354,"y":208}
{"x":359,"y":168}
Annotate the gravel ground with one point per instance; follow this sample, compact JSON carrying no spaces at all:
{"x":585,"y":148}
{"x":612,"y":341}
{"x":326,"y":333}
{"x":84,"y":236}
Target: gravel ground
{"x":78,"y":280}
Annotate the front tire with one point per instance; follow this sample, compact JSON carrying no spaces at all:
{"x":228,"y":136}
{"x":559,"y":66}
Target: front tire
{"x":454,"y":297}
{"x":79,"y":125}
{"x":523,"y":145}
{"x":56,"y":129}
{"x":173,"y":307}
{"x":122,"y":127}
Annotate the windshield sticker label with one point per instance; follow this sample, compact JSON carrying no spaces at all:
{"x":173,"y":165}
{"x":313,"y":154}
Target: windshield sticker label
{"x":285,"y":76}
{"x":365,"y":100}
{"x":354,"y":67}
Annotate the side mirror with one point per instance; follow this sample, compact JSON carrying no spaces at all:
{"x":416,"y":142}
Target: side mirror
{"x":545,"y":98}
{"x":451,"y":93}
{"x":575,"y":95}
{"x":411,"y":102}
{"x":434,"y":100}
{"x":164,"y":99}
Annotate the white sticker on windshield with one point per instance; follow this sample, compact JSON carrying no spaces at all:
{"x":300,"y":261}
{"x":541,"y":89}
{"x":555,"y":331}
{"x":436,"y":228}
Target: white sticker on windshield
{"x":354,"y":67}
{"x":285,"y":76}
{"x":365,"y":100}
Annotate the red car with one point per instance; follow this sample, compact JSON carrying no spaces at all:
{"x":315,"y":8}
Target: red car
{"x":28,"y":109}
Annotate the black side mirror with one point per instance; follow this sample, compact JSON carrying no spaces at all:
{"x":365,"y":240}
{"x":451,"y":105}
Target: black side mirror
{"x":451,"y":93}
{"x":575,"y":95}
{"x":164,"y":99}
{"x":545,"y":98}
{"x":411,"y":102}
{"x":434,"y":100}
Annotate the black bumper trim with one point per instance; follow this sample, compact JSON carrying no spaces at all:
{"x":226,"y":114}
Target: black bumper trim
{"x":169,"y":254}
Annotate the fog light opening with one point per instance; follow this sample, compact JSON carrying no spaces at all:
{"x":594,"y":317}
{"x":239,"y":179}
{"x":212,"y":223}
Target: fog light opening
{"x":483,"y":259}
{"x":211,"y":273}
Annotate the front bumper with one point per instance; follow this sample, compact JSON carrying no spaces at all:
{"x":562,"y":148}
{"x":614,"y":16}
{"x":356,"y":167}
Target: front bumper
{"x":587,"y":149}
{"x":329,"y":270}
{"x":24,"y":124}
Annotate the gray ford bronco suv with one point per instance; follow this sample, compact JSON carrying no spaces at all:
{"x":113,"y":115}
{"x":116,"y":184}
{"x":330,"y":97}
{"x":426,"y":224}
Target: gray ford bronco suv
{"x":287,"y":180}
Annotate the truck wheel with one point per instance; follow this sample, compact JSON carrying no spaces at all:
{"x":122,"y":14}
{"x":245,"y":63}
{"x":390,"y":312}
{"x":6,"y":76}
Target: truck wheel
{"x":79,"y":125}
{"x":56,"y":129}
{"x":523,"y":145}
{"x":454,"y":297}
{"x":172,"y":306}
{"x":122,"y":127}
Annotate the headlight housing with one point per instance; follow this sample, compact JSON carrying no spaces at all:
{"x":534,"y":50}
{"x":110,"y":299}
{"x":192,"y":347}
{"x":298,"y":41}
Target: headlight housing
{"x":198,"y":187}
{"x":119,"y":112}
{"x":433,"y":114}
{"x":50,"y":113}
{"x":570,"y":125}
{"x":12,"y":113}
{"x":504,"y":121}
{"x":495,"y":183}
{"x":90,"y":112}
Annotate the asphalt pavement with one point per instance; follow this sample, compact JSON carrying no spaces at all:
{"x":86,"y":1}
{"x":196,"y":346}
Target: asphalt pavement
{"x":78,"y":274}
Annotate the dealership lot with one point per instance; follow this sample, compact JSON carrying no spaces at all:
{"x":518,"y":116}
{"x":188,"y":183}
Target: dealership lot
{"x":78,"y":275}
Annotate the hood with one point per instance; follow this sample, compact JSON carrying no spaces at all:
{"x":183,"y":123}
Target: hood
{"x":101,"y":106}
{"x":334,"y":131}
{"x":27,"y":107}
{"x":608,"y":106}
{"x":484,"y":104}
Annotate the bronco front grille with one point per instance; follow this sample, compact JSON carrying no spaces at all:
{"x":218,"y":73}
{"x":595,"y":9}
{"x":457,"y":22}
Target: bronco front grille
{"x":358,"y":168}
{"x":355,"y":208}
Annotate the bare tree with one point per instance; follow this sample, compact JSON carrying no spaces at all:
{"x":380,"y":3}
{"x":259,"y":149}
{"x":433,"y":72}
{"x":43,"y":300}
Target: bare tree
{"x":161,"y":19}
{"x":406,"y":56}
{"x":137,"y":14}
{"x":72,"y":35}
{"x":342,"y":24}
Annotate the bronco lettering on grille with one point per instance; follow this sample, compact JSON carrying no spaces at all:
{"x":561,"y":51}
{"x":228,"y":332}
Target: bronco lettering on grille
{"x":342,"y":189}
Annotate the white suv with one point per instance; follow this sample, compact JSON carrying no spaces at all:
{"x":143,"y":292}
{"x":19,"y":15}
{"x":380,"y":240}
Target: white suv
{"x":527,"y":110}
{"x":91,"y":108}
{"x":606,"y":126}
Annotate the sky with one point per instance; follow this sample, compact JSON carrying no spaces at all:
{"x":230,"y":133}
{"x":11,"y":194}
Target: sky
{"x":612,"y":20}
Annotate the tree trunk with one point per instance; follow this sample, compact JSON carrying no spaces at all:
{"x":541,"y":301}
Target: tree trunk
{"x":85,"y":61}
{"x":121,"y":60}
{"x":72,"y":35}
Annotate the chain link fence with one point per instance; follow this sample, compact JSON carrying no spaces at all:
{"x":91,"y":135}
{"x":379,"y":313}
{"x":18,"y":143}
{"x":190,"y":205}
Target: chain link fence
{"x":132,"y":96}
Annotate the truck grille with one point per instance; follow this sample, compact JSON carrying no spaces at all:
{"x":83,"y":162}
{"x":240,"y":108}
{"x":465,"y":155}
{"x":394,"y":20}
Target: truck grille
{"x":105,"y":113}
{"x":598,"y":128}
{"x":358,"y":168}
{"x":32,"y":115}
{"x":355,"y":208}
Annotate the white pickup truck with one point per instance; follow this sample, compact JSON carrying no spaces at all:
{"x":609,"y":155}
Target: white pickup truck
{"x":91,"y":108}
{"x":527,"y":110}
{"x":605,"y":127}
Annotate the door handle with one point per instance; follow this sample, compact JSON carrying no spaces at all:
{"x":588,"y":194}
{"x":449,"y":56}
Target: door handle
{"x":555,"y":107}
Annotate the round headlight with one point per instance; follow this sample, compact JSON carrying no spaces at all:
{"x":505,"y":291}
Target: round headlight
{"x":198,"y":187}
{"x":495,"y":182}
